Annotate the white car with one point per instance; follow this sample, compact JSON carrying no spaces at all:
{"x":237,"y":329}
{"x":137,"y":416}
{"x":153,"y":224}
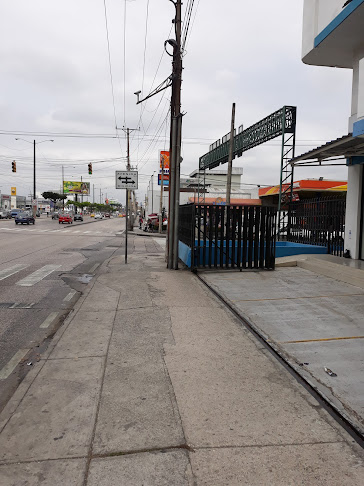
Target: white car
{"x":98,"y":216}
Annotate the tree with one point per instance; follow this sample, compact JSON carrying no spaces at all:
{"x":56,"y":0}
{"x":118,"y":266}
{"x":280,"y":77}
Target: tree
{"x":54,"y":196}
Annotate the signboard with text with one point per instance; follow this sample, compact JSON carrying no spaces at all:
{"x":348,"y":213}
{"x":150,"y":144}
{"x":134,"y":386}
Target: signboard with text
{"x":126,"y":179}
{"x":164,"y":160}
{"x":165,"y":179}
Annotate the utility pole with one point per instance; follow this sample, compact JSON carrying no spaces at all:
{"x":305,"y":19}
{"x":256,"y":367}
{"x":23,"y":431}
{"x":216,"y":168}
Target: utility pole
{"x":152,"y":190}
{"x":129,"y":221}
{"x":100,"y":195}
{"x":175,"y":141}
{"x":231,"y":154}
{"x":93,"y":193}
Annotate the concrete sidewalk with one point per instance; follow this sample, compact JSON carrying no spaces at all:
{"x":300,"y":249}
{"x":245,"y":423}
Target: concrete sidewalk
{"x":151,"y":381}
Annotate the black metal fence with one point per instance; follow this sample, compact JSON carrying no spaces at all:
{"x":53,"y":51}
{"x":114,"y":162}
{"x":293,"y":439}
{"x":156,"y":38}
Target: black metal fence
{"x":230,"y":236}
{"x":319,"y":221}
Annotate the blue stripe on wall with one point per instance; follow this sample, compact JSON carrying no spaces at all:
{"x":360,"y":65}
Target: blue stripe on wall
{"x":348,"y":10}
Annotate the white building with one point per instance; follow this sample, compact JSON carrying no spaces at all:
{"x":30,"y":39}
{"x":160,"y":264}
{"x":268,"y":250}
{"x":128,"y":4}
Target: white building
{"x":333,"y":35}
{"x":215,"y":185}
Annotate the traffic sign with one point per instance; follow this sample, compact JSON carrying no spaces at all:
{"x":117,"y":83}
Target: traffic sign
{"x":125,"y":179}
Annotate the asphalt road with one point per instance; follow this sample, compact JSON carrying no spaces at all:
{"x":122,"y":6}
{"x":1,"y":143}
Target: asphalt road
{"x":43,"y":270}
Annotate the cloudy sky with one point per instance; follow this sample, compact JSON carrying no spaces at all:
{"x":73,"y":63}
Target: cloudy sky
{"x":56,"y":81}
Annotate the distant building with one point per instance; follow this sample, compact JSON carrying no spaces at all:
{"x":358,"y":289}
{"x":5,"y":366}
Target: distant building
{"x":213,"y":182}
{"x":333,"y":35}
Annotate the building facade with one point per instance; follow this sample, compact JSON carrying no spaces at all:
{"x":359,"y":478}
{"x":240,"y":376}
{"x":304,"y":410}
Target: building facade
{"x":333,"y":35}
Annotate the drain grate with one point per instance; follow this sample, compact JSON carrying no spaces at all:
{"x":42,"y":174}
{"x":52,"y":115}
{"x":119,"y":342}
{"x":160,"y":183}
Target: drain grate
{"x":15,"y":305}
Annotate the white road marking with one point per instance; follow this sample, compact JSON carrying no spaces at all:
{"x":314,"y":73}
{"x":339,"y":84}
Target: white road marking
{"x":85,"y":232}
{"x":70,"y":295}
{"x":10,"y":271}
{"x":48,"y":321}
{"x":37,"y":276}
{"x":12,"y":364}
{"x":77,"y":231}
{"x":92,"y":269}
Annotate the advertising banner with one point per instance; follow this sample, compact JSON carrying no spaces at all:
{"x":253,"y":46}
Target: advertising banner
{"x":164,"y":159}
{"x":74,"y":187}
{"x":165,"y":179}
{"x":13,"y":191}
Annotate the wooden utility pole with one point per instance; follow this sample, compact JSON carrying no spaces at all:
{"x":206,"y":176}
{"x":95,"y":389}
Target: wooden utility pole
{"x":175,"y":141}
{"x":231,"y":155}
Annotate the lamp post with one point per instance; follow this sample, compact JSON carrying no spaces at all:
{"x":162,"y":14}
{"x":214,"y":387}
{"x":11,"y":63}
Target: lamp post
{"x":152,"y":179}
{"x":34,"y":178}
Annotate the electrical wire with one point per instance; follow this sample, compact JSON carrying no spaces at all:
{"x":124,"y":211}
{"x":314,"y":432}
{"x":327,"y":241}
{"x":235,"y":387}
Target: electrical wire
{"x":193,"y":22}
{"x":110,"y":70}
{"x":124,"y":59}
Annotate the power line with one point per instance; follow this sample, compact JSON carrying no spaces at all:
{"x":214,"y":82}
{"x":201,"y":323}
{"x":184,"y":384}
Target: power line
{"x":124,"y":58}
{"x":110,"y":70}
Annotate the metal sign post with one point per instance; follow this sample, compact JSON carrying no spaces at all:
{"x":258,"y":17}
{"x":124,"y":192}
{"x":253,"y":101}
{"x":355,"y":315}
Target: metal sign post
{"x":126,"y":179}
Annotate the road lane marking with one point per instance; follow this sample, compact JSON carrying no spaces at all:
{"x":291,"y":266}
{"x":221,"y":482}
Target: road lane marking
{"x":77,"y":231}
{"x":92,"y":269}
{"x":321,"y":340}
{"x":10,"y":271}
{"x":85,"y":232}
{"x":48,"y":321}
{"x":38,"y":275}
{"x":70,"y":295}
{"x":12,"y":364}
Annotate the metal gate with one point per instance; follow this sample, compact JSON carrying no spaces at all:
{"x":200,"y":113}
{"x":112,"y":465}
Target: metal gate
{"x":229,"y":236}
{"x":319,"y":221}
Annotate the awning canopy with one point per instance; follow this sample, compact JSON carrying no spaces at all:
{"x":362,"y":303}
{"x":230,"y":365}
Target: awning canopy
{"x":336,"y":150}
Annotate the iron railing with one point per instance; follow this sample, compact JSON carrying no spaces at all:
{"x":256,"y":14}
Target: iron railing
{"x":229,"y":236}
{"x":318,"y":221}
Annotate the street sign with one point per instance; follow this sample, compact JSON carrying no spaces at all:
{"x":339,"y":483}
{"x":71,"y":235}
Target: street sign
{"x":125,"y":179}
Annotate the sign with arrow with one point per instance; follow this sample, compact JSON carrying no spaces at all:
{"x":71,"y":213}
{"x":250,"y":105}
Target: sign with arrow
{"x":125,"y":179}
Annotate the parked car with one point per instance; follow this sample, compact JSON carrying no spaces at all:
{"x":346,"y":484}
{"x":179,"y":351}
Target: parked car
{"x":37,"y":213}
{"x":107,"y":215}
{"x":24,"y":218}
{"x":5,"y":214}
{"x":92,"y":215}
{"x":55,"y":215}
{"x":78,"y":217}
{"x":65,"y":218}
{"x":98,"y":216}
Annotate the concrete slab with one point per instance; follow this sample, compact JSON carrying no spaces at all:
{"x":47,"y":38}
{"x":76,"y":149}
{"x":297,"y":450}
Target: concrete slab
{"x":149,"y":469}
{"x":87,"y":335}
{"x":297,"y":464}
{"x":56,"y":417}
{"x":293,"y":305}
{"x":101,"y":298}
{"x":180,"y":288}
{"x":138,"y":408}
{"x":346,"y":359}
{"x":229,"y":396}
{"x":133,"y":294}
{"x":47,"y":473}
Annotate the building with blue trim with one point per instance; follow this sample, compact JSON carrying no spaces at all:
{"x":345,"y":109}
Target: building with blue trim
{"x":333,"y":35}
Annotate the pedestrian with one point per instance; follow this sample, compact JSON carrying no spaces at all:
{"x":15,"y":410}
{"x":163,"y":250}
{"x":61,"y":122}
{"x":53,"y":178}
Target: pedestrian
{"x":140,"y":222}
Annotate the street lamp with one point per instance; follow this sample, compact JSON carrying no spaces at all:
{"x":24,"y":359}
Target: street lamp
{"x":34,"y":179}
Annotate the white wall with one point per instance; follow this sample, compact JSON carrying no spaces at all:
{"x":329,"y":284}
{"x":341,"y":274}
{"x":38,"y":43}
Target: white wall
{"x":317,"y":15}
{"x":353,"y":210}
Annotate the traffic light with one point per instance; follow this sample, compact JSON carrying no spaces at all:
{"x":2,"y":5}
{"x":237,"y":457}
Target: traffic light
{"x":13,"y":166}
{"x":90,"y":168}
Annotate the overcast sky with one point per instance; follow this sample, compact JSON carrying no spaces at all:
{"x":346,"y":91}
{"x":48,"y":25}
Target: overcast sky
{"x":55,"y":78}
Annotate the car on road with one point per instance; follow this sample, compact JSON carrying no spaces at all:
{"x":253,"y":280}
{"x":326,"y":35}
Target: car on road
{"x":24,"y":218}
{"x":107,"y":215}
{"x":78,"y":217}
{"x":65,"y":218}
{"x":92,"y":215}
{"x":14,"y":212}
{"x":5,"y":214}
{"x":55,"y":215}
{"x":98,"y":216}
